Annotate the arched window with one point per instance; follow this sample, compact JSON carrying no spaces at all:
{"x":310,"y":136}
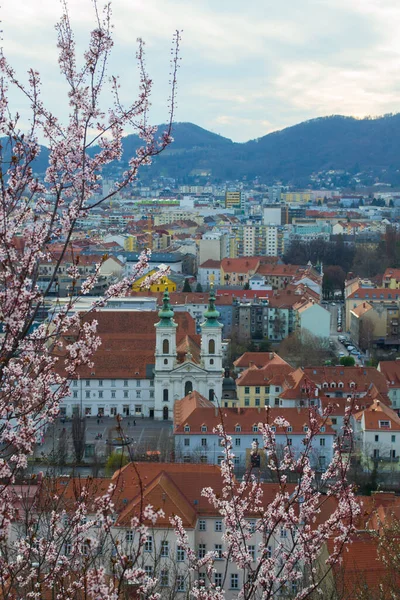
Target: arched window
{"x":188,"y":387}
{"x":165,"y":347}
{"x":211,"y":395}
{"x":165,"y":395}
{"x":211,"y":347}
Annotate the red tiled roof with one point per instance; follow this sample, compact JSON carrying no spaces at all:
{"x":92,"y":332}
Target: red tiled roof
{"x":374,"y":294}
{"x":364,"y":379}
{"x":391,"y":370}
{"x":239,"y":265}
{"x":197,"y":415}
{"x":210,"y":264}
{"x":259,"y":359}
{"x":378,"y":412}
{"x":273,"y":373}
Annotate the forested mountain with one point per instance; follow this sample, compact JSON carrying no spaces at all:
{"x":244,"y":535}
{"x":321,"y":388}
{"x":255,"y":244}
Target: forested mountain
{"x":291,"y":155}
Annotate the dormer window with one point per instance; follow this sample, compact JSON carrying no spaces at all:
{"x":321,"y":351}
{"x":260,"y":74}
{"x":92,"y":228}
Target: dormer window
{"x":255,"y":428}
{"x":352,"y":384}
{"x":333,"y":384}
{"x":204,"y":428}
{"x":238,"y":429}
{"x":186,"y":428}
{"x":340,"y":384}
{"x":273,"y":428}
{"x":289,"y":429}
{"x":325,"y":385}
{"x":322,"y":429}
{"x":384,"y":424}
{"x":305,"y":428}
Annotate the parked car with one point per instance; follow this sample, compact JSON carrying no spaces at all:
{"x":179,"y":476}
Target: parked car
{"x":350,"y":348}
{"x":354,"y":352}
{"x":341,"y":354}
{"x":339,"y":329}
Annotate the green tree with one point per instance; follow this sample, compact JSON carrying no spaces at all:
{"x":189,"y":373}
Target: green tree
{"x":186,"y":286}
{"x":116,"y":461}
{"x":264,"y":345}
{"x":347,"y":361}
{"x":199,"y":287}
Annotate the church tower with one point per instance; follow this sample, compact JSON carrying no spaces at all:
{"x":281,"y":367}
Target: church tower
{"x":165,"y":359}
{"x":211,"y":349}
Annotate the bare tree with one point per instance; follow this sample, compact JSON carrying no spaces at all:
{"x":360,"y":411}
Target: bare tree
{"x":79,"y":436}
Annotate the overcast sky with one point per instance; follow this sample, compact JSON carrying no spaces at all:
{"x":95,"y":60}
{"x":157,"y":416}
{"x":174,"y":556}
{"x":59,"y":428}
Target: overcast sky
{"x":248,"y":68}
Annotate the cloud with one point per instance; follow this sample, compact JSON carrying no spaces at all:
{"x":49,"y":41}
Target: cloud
{"x":247,"y":68}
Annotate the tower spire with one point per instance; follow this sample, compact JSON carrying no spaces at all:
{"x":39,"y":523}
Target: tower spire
{"x":166,"y":313}
{"x":211,"y":315}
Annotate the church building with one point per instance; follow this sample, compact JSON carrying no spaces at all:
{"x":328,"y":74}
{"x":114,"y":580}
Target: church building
{"x":179,"y":369}
{"x":145,"y":363}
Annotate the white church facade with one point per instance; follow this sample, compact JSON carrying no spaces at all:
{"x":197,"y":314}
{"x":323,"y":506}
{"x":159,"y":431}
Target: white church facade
{"x":201,"y":369}
{"x":132,"y":380}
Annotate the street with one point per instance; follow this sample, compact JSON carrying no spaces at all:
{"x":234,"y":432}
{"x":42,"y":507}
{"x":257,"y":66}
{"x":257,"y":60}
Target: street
{"x":338,"y":346}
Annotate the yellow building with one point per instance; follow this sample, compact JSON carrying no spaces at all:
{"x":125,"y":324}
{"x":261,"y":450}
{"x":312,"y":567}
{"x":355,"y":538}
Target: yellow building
{"x":233,"y":199}
{"x":391,"y":279}
{"x":296,"y":197}
{"x":159,"y":286}
{"x":130,"y":243}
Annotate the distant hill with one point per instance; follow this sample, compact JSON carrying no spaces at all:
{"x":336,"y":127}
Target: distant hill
{"x":290,"y":155}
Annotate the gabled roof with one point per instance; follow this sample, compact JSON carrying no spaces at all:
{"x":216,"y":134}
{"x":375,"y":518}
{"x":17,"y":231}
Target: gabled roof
{"x":259,"y":359}
{"x":271,"y":374}
{"x":246,"y":418}
{"x":363,"y":378}
{"x":239,"y":265}
{"x":391,"y":370}
{"x":210,"y":264}
{"x":374,"y":414}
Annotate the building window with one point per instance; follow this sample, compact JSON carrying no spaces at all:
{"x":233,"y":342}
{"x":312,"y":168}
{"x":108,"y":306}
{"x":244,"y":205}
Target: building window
{"x":247,"y":390}
{"x":75,"y":383}
{"x":376,"y":453}
{"x":203,"y":459}
{"x":87,"y":382}
{"x":188,"y":388}
{"x":269,"y":552}
{"x":186,"y":429}
{"x":377,"y":438}
{"x":211,"y":347}
{"x":247,"y":401}
{"x":238,"y":428}
{"x":218,"y":525}
{"x":252,"y":526}
{"x":204,"y":428}
{"x":204,"y":441}
{"x":164,"y":548}
{"x":180,"y":554}
{"x":234,"y":581}
{"x":180,"y":583}
{"x":384,"y":424}
{"x":126,"y":394}
{"x":255,"y":428}
{"x":148,"y":569}
{"x":218,"y":551}
{"x":100,"y":383}
{"x":305,"y":429}
{"x":87,"y":394}
{"x":165,"y":347}
{"x":148,"y":545}
{"x":187,"y":441}
{"x":289,"y":441}
{"x":252,"y":552}
{"x":113,"y":382}
{"x":165,"y":395}
{"x":283,"y":532}
{"x":151,"y":394}
{"x":393,"y":453}
{"x":75,"y":394}
{"x":201,"y":551}
{"x":393,"y":439}
{"x":137,"y":382}
{"x":164,"y":578}
{"x":202,"y":524}
{"x":257,"y":401}
{"x":322,"y":442}
{"x":113,"y":394}
{"x":129,"y":535}
{"x":211,"y":395}
{"x":137,"y":393}
{"x":237,"y":441}
{"x":218,"y":579}
{"x":266,"y":389}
